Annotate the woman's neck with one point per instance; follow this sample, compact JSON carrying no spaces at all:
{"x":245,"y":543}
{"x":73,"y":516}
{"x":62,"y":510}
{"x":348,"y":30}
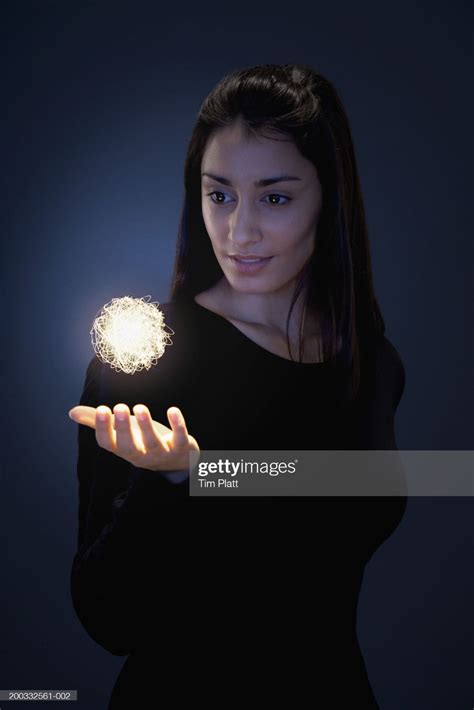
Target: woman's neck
{"x":269,"y":311}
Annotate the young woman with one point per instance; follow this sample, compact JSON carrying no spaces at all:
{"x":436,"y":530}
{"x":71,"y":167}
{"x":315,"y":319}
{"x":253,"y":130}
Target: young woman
{"x":279,"y":345}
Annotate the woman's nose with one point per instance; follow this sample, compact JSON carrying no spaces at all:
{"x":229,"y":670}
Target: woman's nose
{"x":243,"y":225}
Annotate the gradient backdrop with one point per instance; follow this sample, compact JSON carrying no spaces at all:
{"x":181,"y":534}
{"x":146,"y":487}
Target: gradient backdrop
{"x":99,"y":103}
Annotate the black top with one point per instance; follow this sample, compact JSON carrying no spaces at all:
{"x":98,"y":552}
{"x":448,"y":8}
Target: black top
{"x":228,"y":591}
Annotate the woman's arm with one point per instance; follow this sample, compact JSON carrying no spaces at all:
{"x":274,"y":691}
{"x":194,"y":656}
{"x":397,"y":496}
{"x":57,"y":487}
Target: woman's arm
{"x":372,"y":519}
{"x":118,"y":580}
{"x":381,"y":515}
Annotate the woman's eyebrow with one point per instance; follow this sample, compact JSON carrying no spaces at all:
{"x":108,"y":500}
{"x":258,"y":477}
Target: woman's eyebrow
{"x":259,"y":183}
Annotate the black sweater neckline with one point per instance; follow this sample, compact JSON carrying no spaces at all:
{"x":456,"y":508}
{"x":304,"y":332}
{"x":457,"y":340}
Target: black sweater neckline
{"x":242,"y":338}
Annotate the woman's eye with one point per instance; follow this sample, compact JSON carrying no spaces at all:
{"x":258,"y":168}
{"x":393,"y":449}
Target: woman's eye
{"x":279,"y":197}
{"x":215,"y":192}
{"x":272,"y":196}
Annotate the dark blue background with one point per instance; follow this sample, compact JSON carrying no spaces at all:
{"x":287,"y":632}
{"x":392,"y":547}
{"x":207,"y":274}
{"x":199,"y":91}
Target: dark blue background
{"x":99,"y":102}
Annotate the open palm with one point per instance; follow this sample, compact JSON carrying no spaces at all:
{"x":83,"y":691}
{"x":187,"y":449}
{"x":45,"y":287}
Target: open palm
{"x":137,"y":438}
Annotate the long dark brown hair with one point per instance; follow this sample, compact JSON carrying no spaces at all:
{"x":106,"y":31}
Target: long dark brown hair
{"x":295,"y":100}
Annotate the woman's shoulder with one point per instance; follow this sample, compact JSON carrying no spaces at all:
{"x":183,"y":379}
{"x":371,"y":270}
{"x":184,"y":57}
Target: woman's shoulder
{"x":390,"y":366}
{"x":176,"y":313}
{"x":390,"y":353}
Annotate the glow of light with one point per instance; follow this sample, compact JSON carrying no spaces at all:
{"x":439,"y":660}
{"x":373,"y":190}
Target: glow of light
{"x":130,"y":334}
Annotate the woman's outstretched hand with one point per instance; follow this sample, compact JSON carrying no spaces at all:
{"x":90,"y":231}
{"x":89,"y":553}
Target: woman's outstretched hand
{"x":139,"y":439}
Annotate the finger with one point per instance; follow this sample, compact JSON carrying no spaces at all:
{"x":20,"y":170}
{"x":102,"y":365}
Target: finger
{"x":104,"y":430}
{"x":83,"y":415}
{"x":150,"y":438}
{"x":178,"y":425}
{"x":126,"y":444}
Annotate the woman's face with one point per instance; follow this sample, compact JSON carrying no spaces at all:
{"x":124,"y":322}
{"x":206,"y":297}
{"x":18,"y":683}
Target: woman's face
{"x":277,"y":219}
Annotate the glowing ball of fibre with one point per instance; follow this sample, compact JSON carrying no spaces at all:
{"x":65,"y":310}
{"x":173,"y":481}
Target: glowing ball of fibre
{"x":130,"y":334}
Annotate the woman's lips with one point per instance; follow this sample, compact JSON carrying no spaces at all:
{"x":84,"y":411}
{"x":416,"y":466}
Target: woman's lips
{"x":250,"y":266}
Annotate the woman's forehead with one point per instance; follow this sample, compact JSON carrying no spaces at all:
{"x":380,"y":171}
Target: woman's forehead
{"x":231,"y":157}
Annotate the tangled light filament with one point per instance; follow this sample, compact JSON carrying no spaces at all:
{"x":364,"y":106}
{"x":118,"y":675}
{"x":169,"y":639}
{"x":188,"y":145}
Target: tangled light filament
{"x":130,"y":334}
